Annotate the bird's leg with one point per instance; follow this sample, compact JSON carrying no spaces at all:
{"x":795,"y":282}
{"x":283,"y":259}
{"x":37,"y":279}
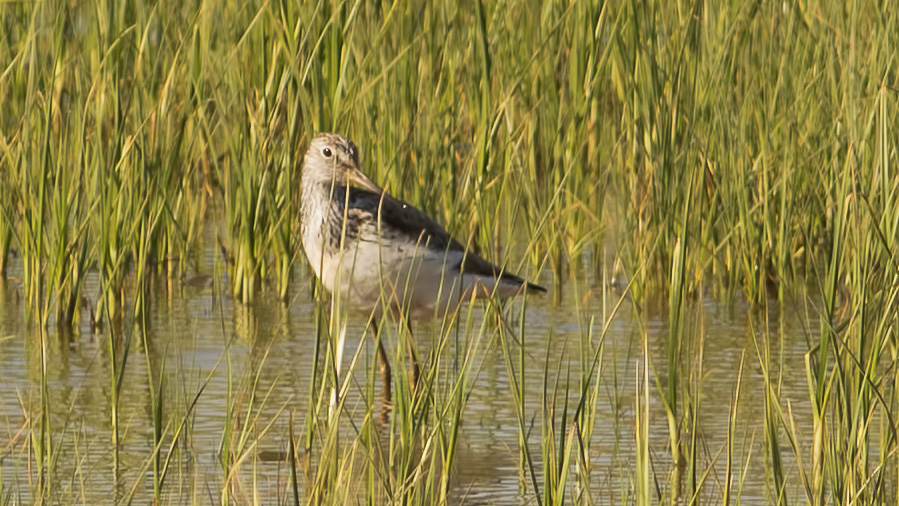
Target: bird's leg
{"x":337,"y":351}
{"x":386,"y":376}
{"x":413,"y":356}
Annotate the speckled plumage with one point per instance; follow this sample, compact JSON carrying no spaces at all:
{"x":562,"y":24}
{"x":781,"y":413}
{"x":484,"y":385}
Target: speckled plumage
{"x":374,"y":250}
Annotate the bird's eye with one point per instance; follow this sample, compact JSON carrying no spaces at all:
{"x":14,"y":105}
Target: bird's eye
{"x":326,"y":152}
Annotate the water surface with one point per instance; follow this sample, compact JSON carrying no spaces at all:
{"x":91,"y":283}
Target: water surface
{"x":203,"y":345}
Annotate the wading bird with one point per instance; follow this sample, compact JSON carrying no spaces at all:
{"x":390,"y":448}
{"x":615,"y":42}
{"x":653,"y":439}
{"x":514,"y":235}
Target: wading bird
{"x":379,"y":254}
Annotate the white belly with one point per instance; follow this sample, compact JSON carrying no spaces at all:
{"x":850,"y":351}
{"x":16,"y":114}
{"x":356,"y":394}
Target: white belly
{"x":370,"y":276}
{"x":418,"y":281}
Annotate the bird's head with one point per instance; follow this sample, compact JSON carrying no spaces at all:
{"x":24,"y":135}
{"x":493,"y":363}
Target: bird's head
{"x":334,"y":159}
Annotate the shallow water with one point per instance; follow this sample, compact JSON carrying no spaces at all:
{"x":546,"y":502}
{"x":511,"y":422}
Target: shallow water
{"x":190,"y":328}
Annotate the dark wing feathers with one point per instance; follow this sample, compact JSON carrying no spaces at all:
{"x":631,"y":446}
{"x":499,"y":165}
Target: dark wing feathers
{"x":473,"y":264}
{"x":397,"y":217}
{"x":404,"y":219}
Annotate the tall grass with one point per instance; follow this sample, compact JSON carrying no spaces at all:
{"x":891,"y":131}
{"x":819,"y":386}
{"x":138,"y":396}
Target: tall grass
{"x":724,"y":149}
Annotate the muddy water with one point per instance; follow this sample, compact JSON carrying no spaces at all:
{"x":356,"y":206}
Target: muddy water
{"x":200,"y":341}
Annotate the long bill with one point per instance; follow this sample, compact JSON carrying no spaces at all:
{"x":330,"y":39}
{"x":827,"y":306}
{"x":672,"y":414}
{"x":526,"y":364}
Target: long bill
{"x":356,"y":176}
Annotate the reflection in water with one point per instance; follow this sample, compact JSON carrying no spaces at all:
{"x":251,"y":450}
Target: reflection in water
{"x":231,"y":377}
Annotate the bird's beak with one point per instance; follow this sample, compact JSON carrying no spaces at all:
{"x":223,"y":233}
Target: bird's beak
{"x":356,"y":176}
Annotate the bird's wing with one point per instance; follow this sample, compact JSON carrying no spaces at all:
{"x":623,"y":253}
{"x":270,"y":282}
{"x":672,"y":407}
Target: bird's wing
{"x":399,"y":219}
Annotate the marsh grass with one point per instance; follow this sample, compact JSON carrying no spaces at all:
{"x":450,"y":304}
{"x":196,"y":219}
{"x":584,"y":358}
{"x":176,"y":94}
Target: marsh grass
{"x":727,"y":150}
